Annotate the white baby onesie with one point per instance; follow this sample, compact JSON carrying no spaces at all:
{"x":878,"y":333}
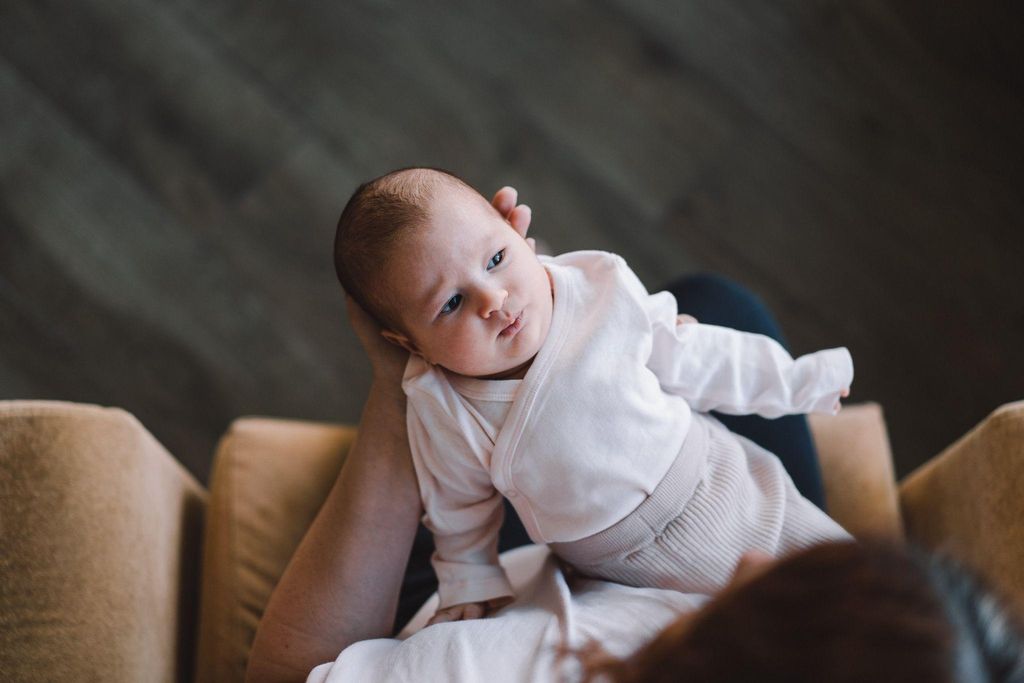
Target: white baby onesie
{"x":600,"y":417}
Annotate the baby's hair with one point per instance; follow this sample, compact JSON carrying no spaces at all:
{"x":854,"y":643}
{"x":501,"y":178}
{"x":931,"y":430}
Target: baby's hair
{"x":378,"y":214}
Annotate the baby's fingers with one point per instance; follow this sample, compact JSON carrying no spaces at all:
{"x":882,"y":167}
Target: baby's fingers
{"x":469,"y":610}
{"x":443,"y":615}
{"x":473,"y":611}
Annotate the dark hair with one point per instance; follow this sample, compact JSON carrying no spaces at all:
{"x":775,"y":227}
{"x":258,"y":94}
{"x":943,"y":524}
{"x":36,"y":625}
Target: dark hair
{"x":378,"y":214}
{"x":839,"y":612}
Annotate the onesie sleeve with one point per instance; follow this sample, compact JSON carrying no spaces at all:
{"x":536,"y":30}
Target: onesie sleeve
{"x":734,"y":372}
{"x":738,"y":373}
{"x":463,"y":510}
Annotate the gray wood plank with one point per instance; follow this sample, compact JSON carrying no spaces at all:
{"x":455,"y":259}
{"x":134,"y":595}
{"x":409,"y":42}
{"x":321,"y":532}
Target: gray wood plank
{"x":420,"y":86}
{"x":166,"y":323}
{"x":171,"y":174}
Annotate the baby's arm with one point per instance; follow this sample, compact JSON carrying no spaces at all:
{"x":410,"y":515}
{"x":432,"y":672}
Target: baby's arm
{"x":463,"y":510}
{"x":734,"y":372}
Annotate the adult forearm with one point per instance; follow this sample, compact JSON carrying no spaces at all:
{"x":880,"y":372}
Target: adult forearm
{"x":342,"y":584}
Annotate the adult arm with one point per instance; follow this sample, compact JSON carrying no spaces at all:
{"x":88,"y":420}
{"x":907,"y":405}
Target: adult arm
{"x":342,"y":584}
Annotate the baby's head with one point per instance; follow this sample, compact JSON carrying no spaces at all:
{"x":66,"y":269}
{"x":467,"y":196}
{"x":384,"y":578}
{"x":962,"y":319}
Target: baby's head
{"x":444,"y":273}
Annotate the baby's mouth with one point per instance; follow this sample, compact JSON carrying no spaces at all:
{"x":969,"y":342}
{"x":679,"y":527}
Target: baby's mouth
{"x":513,"y":327}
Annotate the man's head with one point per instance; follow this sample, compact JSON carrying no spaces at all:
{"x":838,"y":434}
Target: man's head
{"x":443,"y":272}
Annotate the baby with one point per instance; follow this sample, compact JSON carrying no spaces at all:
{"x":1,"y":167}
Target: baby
{"x":562,"y":385}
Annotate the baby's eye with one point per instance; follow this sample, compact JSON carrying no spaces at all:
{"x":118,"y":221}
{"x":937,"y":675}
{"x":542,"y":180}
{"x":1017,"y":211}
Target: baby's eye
{"x":451,"y":304}
{"x":496,"y":259}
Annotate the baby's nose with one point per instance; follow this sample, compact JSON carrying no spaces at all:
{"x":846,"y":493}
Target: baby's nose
{"x":491,"y":301}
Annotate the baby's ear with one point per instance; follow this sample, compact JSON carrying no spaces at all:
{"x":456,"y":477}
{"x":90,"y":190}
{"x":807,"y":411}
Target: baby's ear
{"x":399,"y":339}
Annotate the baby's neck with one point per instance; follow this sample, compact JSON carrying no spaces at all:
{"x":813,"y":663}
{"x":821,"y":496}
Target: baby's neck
{"x":517,"y":372}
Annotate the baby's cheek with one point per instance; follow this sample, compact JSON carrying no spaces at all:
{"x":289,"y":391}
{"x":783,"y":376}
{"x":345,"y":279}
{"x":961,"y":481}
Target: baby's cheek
{"x":463,"y":352}
{"x":463,"y":347}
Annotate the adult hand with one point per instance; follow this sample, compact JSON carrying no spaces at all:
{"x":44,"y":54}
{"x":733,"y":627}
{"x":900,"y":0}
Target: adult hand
{"x":387,"y":360}
{"x":518,"y":217}
{"x":344,"y":579}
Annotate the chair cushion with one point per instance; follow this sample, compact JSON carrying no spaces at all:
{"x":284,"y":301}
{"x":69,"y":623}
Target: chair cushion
{"x":99,"y":562}
{"x":966,"y":502}
{"x":857,"y":470}
{"x":269,"y":479}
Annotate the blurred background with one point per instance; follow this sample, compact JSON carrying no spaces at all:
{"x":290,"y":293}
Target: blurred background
{"x":171,"y":174}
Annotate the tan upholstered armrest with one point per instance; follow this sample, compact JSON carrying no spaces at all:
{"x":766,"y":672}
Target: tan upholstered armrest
{"x":969,"y":501}
{"x":270,"y":478}
{"x":856,"y":469}
{"x":100,"y":535}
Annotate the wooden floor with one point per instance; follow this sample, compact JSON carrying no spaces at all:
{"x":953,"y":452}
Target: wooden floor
{"x":171,"y":172}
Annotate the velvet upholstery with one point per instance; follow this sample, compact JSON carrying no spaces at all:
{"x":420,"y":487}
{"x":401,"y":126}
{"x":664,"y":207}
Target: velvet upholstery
{"x":270,"y":477}
{"x":968,"y":501}
{"x":100,"y":549}
{"x":101,"y":529}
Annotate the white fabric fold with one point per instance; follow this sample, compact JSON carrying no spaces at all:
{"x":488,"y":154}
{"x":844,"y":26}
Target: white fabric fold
{"x":521,"y":642}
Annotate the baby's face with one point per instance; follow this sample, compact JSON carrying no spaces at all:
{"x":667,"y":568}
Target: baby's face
{"x":471,"y":292}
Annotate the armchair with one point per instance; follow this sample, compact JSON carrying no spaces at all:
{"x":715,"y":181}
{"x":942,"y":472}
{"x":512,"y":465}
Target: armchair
{"x":117,"y":565}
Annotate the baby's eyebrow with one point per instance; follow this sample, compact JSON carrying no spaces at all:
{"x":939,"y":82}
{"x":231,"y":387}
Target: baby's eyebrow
{"x":433,"y":293}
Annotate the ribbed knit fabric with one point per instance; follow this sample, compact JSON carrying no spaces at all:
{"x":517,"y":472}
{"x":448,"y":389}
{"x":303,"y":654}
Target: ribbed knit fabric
{"x":690,"y":539}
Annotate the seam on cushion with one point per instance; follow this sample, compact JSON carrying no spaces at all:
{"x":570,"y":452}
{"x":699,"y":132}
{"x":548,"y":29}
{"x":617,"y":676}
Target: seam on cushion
{"x":246,"y":423}
{"x":234,"y":633}
{"x":33,"y":406}
{"x":221,"y":637}
{"x":1006,"y":413}
{"x":237,"y":628}
{"x":60,"y":411}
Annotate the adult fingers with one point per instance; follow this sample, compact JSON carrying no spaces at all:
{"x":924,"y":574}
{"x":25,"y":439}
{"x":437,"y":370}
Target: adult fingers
{"x":365,"y":326}
{"x":387,"y":360}
{"x":504,"y":200}
{"x":520,"y":218}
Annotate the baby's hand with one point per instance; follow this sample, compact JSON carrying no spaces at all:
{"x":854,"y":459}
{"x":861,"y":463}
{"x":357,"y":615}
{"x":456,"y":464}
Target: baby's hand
{"x":682,"y":319}
{"x":844,"y":393}
{"x":460,"y":612}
